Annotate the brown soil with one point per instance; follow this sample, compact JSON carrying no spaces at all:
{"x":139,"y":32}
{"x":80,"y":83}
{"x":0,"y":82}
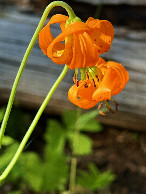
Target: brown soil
{"x":123,"y":152}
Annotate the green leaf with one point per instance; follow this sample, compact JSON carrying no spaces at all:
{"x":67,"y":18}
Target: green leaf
{"x":94,"y":179}
{"x":85,"y":118}
{"x":32,"y":170}
{"x":84,"y":144}
{"x":2,"y":112}
{"x":7,"y":155}
{"x":69,"y":118}
{"x":90,"y":126}
{"x":14,"y":192}
{"x":55,"y":138}
{"x":55,"y":173}
{"x":7,"y":140}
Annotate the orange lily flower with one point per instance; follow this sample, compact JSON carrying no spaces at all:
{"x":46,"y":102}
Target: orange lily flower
{"x":84,"y":42}
{"x":102,"y":82}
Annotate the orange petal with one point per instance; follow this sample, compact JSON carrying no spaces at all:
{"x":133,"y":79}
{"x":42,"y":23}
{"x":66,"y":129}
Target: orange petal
{"x":100,"y":61}
{"x":81,"y":96}
{"x":103,"y":26}
{"x":102,"y":33}
{"x":114,"y":80}
{"x":46,"y":37}
{"x":58,"y":18}
{"x":102,"y":41}
{"x":102,"y":94}
{"x":76,"y":27}
{"x":84,"y":52}
{"x":119,"y":75}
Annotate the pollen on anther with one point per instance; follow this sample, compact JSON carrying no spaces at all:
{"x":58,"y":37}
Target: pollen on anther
{"x":87,"y":75}
{"x":97,"y":77}
{"x":94,"y":82}
{"x":77,"y":83}
{"x":85,"y":85}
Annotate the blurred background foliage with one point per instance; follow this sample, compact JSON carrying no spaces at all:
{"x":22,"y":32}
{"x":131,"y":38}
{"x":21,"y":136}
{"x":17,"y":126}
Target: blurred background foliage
{"x":120,"y":12}
{"x":50,"y":170}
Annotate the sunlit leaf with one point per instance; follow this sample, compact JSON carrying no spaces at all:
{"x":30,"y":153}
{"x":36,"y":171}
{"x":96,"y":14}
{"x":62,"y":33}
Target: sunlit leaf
{"x":69,"y":118}
{"x":7,"y":155}
{"x":83,"y":144}
{"x":32,"y":170}
{"x":55,"y":138}
{"x":7,"y":140}
{"x":90,"y":126}
{"x":89,"y":115}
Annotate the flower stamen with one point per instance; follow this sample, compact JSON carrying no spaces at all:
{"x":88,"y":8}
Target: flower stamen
{"x":116,"y":104}
{"x":108,"y":106}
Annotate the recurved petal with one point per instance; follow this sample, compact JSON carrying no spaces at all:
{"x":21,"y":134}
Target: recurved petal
{"x":103,"y":26}
{"x":121,"y":69}
{"x":58,"y":18}
{"x":122,"y":75}
{"x":59,"y":56}
{"x":114,"y":80}
{"x":46,"y":37}
{"x":81,"y":96}
{"x":67,"y":35}
{"x":102,"y":41}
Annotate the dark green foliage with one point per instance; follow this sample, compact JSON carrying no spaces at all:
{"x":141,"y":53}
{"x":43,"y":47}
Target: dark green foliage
{"x":51,"y":172}
{"x":93,"y":179}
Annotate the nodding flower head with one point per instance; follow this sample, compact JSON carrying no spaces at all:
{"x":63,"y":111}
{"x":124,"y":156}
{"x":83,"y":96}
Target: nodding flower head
{"x":83,"y":42}
{"x":98,"y":83}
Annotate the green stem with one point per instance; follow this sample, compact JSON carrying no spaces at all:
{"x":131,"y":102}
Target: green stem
{"x":74,"y":158}
{"x":27,"y":53}
{"x":32,"y":126}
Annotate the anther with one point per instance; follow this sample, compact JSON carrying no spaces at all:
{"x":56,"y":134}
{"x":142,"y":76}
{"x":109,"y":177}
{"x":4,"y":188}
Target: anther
{"x":97,"y":77}
{"x":87,"y":74}
{"x":108,"y":106}
{"x":77,"y":83}
{"x":85,"y":85}
{"x":116,"y":104}
{"x":102,"y":113}
{"x":94,"y":82}
{"x":99,"y":106}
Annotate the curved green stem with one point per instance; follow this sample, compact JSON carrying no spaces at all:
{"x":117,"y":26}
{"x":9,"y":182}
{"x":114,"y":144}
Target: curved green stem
{"x":32,"y":126}
{"x":27,"y":53}
{"x":74,"y":158}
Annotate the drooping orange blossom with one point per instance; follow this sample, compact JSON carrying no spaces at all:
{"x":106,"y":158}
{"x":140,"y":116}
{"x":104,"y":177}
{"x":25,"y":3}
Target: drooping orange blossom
{"x":100,"y":83}
{"x":84,"y":42}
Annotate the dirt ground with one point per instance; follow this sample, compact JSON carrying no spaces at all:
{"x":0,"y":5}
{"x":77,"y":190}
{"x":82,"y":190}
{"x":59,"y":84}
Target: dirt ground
{"x":124,"y":152}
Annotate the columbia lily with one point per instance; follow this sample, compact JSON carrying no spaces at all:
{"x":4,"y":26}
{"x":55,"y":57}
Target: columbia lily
{"x":98,"y":83}
{"x":84,"y":42}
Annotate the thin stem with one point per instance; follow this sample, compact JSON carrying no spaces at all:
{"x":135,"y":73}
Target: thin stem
{"x":98,"y":10}
{"x":32,"y":126}
{"x":74,"y":158}
{"x":27,"y":53}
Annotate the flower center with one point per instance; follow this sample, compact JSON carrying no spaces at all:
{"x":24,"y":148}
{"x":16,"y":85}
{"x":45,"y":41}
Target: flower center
{"x":93,"y":74}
